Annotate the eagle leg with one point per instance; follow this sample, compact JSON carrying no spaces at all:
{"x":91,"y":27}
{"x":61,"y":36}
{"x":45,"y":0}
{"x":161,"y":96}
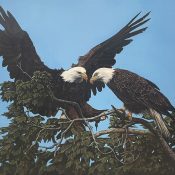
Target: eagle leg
{"x":128,"y":114}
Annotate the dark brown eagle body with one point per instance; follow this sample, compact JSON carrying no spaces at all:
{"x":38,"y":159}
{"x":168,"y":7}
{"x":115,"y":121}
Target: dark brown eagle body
{"x":21,"y":59}
{"x":138,"y":94}
{"x":67,"y":91}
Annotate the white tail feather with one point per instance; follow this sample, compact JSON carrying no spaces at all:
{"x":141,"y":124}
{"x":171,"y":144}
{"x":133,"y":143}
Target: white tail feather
{"x":160,"y":123}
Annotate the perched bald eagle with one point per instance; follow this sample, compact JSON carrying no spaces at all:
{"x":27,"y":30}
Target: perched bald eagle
{"x":138,"y":94}
{"x":22,"y":60}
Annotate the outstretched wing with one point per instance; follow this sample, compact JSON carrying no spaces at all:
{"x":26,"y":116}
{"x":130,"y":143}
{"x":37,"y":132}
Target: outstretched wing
{"x":103,"y":54}
{"x":17,"y":49}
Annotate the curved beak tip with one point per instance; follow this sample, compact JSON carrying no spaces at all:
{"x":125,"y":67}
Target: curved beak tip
{"x":91,"y":81}
{"x":85,"y":77}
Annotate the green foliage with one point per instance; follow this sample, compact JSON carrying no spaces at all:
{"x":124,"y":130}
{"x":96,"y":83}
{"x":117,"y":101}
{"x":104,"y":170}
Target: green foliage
{"x":22,"y":142}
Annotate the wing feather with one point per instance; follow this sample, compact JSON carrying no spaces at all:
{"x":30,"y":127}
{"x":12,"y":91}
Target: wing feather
{"x":17,"y":49}
{"x":103,"y":55}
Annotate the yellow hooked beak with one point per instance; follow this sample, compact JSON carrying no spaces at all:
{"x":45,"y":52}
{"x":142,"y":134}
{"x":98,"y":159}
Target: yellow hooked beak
{"x":85,"y":77}
{"x":93,"y":79}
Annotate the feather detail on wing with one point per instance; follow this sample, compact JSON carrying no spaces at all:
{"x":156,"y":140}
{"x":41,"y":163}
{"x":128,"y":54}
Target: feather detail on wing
{"x":17,"y":49}
{"x":103,"y":55}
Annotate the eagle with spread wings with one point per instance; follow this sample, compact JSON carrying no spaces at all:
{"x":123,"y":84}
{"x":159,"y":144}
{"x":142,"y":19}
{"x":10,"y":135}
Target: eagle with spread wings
{"x":22,"y":61}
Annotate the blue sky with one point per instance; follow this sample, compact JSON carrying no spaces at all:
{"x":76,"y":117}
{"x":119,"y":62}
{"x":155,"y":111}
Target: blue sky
{"x":62,"y":30}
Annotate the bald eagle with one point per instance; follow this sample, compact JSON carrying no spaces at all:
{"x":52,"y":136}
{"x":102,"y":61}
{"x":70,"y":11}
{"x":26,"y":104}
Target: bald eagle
{"x":22,"y":60}
{"x":138,"y":94}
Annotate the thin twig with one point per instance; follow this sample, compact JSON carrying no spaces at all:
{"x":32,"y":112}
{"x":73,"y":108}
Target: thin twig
{"x":25,"y":73}
{"x":62,"y":136}
{"x":75,"y":104}
{"x":48,"y":127}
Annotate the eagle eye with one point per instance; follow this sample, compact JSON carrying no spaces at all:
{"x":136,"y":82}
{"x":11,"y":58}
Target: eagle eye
{"x":96,"y":74}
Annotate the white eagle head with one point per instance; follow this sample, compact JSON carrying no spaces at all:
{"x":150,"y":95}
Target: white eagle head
{"x":75,"y":75}
{"x":103,"y":74}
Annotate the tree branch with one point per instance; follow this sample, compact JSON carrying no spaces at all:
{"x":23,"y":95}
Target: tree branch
{"x":158,"y":136}
{"x":25,"y":73}
{"x":156,"y":133}
{"x":75,"y":104}
{"x":122,"y":130}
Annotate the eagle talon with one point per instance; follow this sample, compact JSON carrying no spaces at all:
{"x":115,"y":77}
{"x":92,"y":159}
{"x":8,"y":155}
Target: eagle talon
{"x":103,"y":117}
{"x":130,"y":116}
